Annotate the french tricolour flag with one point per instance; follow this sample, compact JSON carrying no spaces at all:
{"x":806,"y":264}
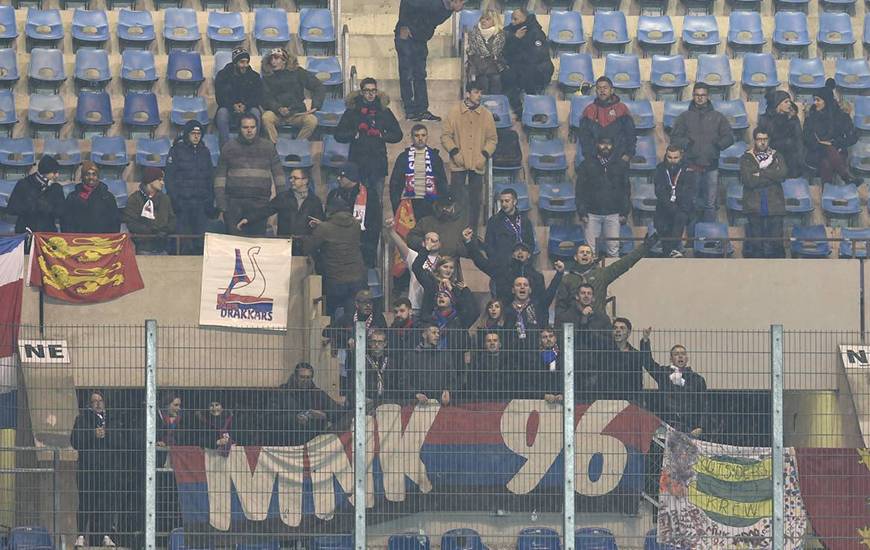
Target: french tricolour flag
{"x":11,"y":288}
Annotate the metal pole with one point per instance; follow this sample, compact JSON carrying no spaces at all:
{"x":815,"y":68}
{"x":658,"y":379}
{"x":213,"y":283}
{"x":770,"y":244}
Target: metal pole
{"x":55,"y":500}
{"x":776,"y":384}
{"x":861,"y":304}
{"x":386,"y":275}
{"x":150,"y":434}
{"x":359,"y":436}
{"x":489,"y":203}
{"x":568,"y":434}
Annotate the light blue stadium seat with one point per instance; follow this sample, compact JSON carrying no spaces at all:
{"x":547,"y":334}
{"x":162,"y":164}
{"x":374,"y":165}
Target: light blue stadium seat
{"x":221,"y":59}
{"x":17,"y":152}
{"x":90,"y":28}
{"x":461,"y":539}
{"x":852,"y":76}
{"x":645,"y":156}
{"x":808,"y":241}
{"x":47,"y":114}
{"x":6,"y":188}
{"x":759,"y":74}
{"x":94,"y":113}
{"x":334,"y":153}
{"x":797,"y":196}
{"x":30,"y":537}
{"x":271,"y":28}
{"x":840,"y":200}
{"x":729,"y":158}
{"x":859,"y":155}
{"x":225,"y":30}
{"x":294,"y":153}
{"x":408,"y":541}
{"x":700,"y":34}
{"x":539,"y":538}
{"x":861,"y":115}
{"x":118,"y":188}
{"x":184,"y":72}
{"x":500,"y":108}
{"x":791,"y":34}
{"x":575,"y":70}
{"x":866,"y":33}
{"x":110,"y":153}
{"x":67,"y":152}
{"x":854,"y":243}
{"x":557,"y":198}
{"x":539,"y":112}
{"x":735,"y":111}
{"x":673,"y":109}
{"x":467,"y":19}
{"x":609,"y":31}
{"x":332,"y":542}
{"x":43,"y":28}
{"x":804,"y":76}
{"x":326,"y":69}
{"x":563,"y":240}
{"x":46,"y":71}
{"x":734,"y":196}
{"x":522,"y":190}
{"x":330,"y":113}
{"x":835,"y":38}
{"x":847,"y":6}
{"x":211,"y":141}
{"x":8,"y":27}
{"x":8,"y":67}
{"x":185,"y":109}
{"x":566,"y":30}
{"x":711,"y":240}
{"x":626,"y":239}
{"x":715,"y":71}
{"x":141,"y":114}
{"x":655,"y":33}
{"x":642,"y":113}
{"x":92,"y":70}
{"x":668,"y":76}
{"x":578,"y":105}
{"x":180,"y":28}
{"x":643,"y":196}
{"x":152,"y":152}
{"x":8,"y":114}
{"x":594,"y":538}
{"x":317,"y":31}
{"x":624,"y":71}
{"x":138,"y":69}
{"x":135,"y":29}
{"x":547,"y":155}
{"x":744,"y":32}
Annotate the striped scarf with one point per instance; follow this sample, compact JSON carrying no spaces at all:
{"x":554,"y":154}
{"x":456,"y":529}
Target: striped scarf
{"x":410,"y":190}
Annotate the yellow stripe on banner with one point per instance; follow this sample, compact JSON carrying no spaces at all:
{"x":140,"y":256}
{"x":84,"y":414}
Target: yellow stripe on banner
{"x":729,"y":471}
{"x":730,"y":508}
{"x":7,"y":481}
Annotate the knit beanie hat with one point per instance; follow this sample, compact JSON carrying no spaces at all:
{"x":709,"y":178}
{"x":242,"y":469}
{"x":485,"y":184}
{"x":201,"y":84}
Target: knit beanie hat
{"x":774,"y":98}
{"x":47,"y":165}
{"x":827,"y":93}
{"x":151,"y":173}
{"x":241,"y":53}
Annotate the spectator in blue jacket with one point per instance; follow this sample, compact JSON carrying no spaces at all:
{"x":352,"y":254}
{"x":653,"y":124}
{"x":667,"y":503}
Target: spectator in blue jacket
{"x":189,"y":178}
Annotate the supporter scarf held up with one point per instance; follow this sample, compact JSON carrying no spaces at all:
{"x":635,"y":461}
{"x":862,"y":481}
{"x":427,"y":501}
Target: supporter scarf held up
{"x":764,"y":158}
{"x":431,"y":193}
{"x":359,"y":206}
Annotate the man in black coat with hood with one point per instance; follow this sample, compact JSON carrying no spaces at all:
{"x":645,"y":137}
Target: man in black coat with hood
{"x":38,"y":199}
{"x":91,"y":207}
{"x":189,"y":178}
{"x":527,"y":54}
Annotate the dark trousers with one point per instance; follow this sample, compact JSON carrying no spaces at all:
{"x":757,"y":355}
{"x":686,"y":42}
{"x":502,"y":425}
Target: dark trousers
{"x":767,"y":227}
{"x":342,"y":294}
{"x":489,"y":83}
{"x":670,"y":226}
{"x":412,"y":56}
{"x":833,"y":162}
{"x":190,"y":219}
{"x":469,"y":193}
{"x":521,"y":80}
{"x":97,"y":504}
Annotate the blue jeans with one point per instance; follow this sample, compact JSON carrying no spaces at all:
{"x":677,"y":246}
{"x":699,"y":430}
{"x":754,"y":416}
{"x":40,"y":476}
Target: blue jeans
{"x":224,"y":119}
{"x":412,"y":56}
{"x":708,"y":195}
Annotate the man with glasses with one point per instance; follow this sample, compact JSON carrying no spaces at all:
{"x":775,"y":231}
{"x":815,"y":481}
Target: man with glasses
{"x":368,"y":125}
{"x":702,"y":132}
{"x":418,"y":175}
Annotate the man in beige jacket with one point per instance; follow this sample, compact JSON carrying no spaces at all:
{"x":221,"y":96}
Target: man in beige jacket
{"x":470,"y":138}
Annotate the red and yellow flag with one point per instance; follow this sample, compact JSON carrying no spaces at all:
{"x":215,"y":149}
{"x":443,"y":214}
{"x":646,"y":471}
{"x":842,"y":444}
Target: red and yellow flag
{"x":404,"y":223}
{"x":81,"y":268}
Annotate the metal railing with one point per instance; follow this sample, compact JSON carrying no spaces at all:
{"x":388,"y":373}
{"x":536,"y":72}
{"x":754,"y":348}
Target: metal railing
{"x":345,"y":61}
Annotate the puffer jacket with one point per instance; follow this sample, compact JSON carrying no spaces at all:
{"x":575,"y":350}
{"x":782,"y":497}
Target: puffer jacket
{"x":368,"y":135}
{"x":189,"y":173}
{"x":531,"y":52}
{"x":231,"y":87}
{"x":702,"y":132}
{"x":286,"y":88}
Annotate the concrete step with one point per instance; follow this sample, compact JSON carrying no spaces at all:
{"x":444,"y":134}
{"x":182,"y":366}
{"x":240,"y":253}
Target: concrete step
{"x":437,"y":68}
{"x":439,"y":90}
{"x":369,"y":22}
{"x":383,"y":46}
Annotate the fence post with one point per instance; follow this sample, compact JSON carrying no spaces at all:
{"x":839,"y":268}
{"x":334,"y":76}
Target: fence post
{"x":359,"y":436}
{"x":776,"y":384}
{"x":568,"y":433}
{"x":150,"y":434}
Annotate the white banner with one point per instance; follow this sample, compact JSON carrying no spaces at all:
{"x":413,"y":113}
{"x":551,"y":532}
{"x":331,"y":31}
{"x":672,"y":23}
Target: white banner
{"x":245,"y":282}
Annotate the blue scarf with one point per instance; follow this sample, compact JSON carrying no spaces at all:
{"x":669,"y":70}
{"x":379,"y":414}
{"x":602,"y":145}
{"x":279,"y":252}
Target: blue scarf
{"x":431,"y":193}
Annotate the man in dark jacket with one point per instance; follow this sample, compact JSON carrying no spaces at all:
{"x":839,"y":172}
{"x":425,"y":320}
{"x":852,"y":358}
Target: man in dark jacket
{"x":368,"y":125}
{"x":448,"y":222}
{"x":38,"y":199}
{"x":527,"y":54}
{"x":506,"y":228}
{"x":429,"y":371}
{"x":762,"y":171}
{"x":365,"y":205}
{"x":676,"y":189}
{"x":91,"y":207}
{"x":783,"y":126}
{"x":238,"y":90}
{"x":702,"y":132}
{"x":149,"y":215}
{"x":284,"y":85}
{"x":383,"y":374}
{"x":418,"y":175}
{"x":607,"y":116}
{"x":593,"y":344}
{"x":189,"y":177}
{"x":248,"y":167}
{"x":302,"y":411}
{"x":415,"y":27}
{"x":623,"y":365}
{"x":603,"y":196}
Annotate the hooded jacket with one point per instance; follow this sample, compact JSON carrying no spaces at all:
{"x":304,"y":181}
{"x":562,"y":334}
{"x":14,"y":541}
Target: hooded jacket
{"x":189,"y":173}
{"x":529,"y":55}
{"x":369,"y":152}
{"x":286,"y":88}
{"x":162,"y":225}
{"x":37,"y":203}
{"x":702,"y":132}
{"x":687,"y":189}
{"x":762,"y":188}
{"x":337,"y":240}
{"x":610,"y":119}
{"x":231,"y":87}
{"x":603,"y":189}
{"x":98,"y":214}
{"x":422,"y":17}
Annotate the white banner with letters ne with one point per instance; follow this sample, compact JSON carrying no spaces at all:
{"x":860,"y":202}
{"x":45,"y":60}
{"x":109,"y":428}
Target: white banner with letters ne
{"x":245,"y":282}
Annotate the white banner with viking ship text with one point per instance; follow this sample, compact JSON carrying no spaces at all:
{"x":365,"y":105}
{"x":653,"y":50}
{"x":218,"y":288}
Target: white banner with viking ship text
{"x":245,"y":282}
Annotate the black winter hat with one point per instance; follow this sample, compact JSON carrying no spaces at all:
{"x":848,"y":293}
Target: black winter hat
{"x":47,"y":165}
{"x":775,"y":97}
{"x":827,"y":93}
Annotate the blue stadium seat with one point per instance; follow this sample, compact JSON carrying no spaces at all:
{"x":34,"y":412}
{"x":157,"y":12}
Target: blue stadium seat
{"x":649,"y":542}
{"x":294,"y":153}
{"x":626,"y":239}
{"x":700,"y":34}
{"x":729,"y":158}
{"x":852,"y":75}
{"x":94,"y":113}
{"x":176,"y":537}
{"x":578,"y":105}
{"x":655,"y":34}
{"x":797,"y":196}
{"x":547,"y":155}
{"x":734,"y":200}
{"x":221,"y":59}
{"x":46,"y":71}
{"x":17,"y":152}
{"x":6,"y":188}
{"x":624,"y":71}
{"x":711,"y":240}
{"x":564,"y":240}
{"x":835,"y":37}
{"x":642,"y":113}
{"x":609,"y":32}
{"x":861,"y":116}
{"x":840,"y":200}
{"x":334,"y":153}
{"x":317,"y":31}
{"x":138,"y":69}
{"x":330,"y":113}
{"x":575,"y":70}
{"x":109,"y":151}
{"x":214,"y":148}
{"x":854,"y":243}
{"x":326,"y":69}
{"x":791,"y":5}
{"x":715,"y":70}
{"x":135,"y":29}
{"x":744,"y":32}
{"x":225,"y":30}
{"x":539,"y":538}
{"x":673,"y":109}
{"x":791,"y":35}
{"x":408,"y":541}
{"x":184,"y":72}
{"x":804,"y":76}
{"x":266,"y":545}
{"x":859,"y":155}
{"x":539,"y":112}
{"x":141,"y":113}
{"x":332,"y":542}
{"x":594,"y":538}
{"x":180,"y":28}
{"x":566,"y":30}
{"x":8,"y":67}
{"x":118,"y":189}
{"x":847,"y":6}
{"x":271,"y":28}
{"x":30,"y":538}
{"x":90,"y":28}
{"x":524,"y":203}
{"x":866,"y":34}
{"x":668,"y":76}
{"x":8,"y":114}
{"x":557,"y":198}
{"x":8,"y":26}
{"x":645,"y":156}
{"x":809,"y":241}
{"x":152,"y":152}
{"x":47,"y":114}
{"x":759,"y":74}
{"x":67,"y":152}
{"x":43,"y":28}
{"x":185,"y":109}
{"x":92,"y":70}
{"x":461,"y":539}
{"x":467,"y":19}
{"x":500,"y":108}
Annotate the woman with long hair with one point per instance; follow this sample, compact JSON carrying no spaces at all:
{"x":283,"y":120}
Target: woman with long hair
{"x":444,"y":277}
{"x":828,"y":134}
{"x":485,"y":47}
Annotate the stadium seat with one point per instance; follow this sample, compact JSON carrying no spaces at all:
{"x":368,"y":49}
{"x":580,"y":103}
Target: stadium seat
{"x":334,"y":153}
{"x":861,"y":115}
{"x":180,"y":29}
{"x":184,"y":73}
{"x":408,"y":541}
{"x":624,"y":71}
{"x":185,"y":109}
{"x":700,"y":34}
{"x":642,"y":113}
{"x":67,"y":153}
{"x":30,"y":538}
{"x":327,"y":69}
{"x":852,"y":76}
{"x":461,"y":539}
{"x":330,"y":113}
{"x":711,"y":240}
{"x":649,"y":542}
{"x":866,"y":33}
{"x":43,"y":28}
{"x":268,"y":545}
{"x":294,"y":153}
{"x":8,"y":114}
{"x":655,"y":34}
{"x":594,"y":538}
{"x":270,"y":28}
{"x":500,"y":108}
{"x":524,"y":203}
{"x":859,"y":155}
{"x":141,"y":114}
{"x":135,"y":29}
{"x":715,"y":71}
{"x":539,"y":538}
{"x":92,"y":70}
{"x":110,"y":153}
{"x":847,"y":6}
{"x":645,"y":156}
{"x":744,"y":32}
{"x":557,"y":198}
{"x":668,"y":76}
{"x":46,"y":114}
{"x":840,"y":200}
{"x":138,"y":70}
{"x":225,"y":30}
{"x":17,"y":155}
{"x":8,"y":67}
{"x":539,"y":114}
{"x":578,"y":105}
{"x":854,"y":243}
{"x":804,"y":76}
{"x":6,"y":188}
{"x":211,"y":141}
{"x":835,"y":38}
{"x":93,"y":113}
{"x":46,"y":72}
{"x":791,"y":35}
{"x":671,"y":110}
{"x":563,"y":240}
{"x":8,"y":26}
{"x":729,"y":158}
{"x":759,"y":74}
{"x":575,"y":71}
{"x":317,"y":31}
{"x":810,"y":242}
{"x":609,"y":32}
{"x":547,"y":156}
{"x":152,"y":152}
{"x":566,"y":31}
{"x":176,"y":537}
{"x":468,"y":18}
{"x":90,"y":28}
{"x":797,"y":196}
{"x":118,"y":188}
{"x":734,"y":200}
{"x":626,"y":239}
{"x":332,"y":542}
{"x":220,"y":60}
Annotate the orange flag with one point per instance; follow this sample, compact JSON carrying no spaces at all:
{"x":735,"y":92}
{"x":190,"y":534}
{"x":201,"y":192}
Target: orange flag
{"x":405,"y":222}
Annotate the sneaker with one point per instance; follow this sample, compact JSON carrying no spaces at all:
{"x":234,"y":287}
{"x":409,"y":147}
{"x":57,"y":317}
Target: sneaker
{"x":427,"y":115}
{"x":413,"y":116}
{"x":676,"y":254}
{"x":80,"y":542}
{"x":107,"y":541}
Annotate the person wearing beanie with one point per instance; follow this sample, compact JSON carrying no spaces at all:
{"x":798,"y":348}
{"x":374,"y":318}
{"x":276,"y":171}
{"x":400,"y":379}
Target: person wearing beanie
{"x":90,"y":207}
{"x":238,"y":90}
{"x":781,"y":123}
{"x":365,"y":206}
{"x":149,"y":215}
{"x":189,"y":177}
{"x":37,"y":199}
{"x":828,"y":134}
{"x":284,"y":86}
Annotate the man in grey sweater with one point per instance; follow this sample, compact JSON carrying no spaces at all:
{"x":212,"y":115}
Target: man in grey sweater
{"x":243,"y":180}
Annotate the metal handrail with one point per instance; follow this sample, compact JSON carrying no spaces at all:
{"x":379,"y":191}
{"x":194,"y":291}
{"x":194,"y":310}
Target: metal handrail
{"x":352,"y":78}
{"x":345,"y":59}
{"x":463,"y":70}
{"x":454,"y":24}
